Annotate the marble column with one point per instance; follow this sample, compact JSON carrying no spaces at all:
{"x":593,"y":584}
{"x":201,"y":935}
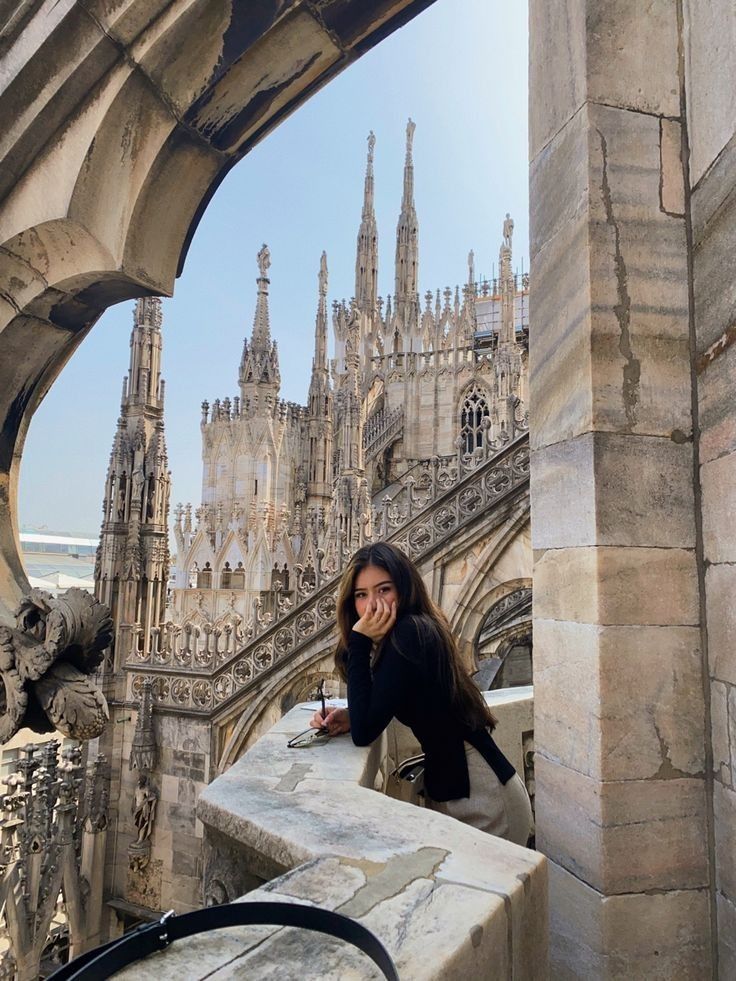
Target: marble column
{"x":622,"y":796}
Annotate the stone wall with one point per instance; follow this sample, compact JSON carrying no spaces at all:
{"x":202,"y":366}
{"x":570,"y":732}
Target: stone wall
{"x":710,"y":60}
{"x":632,"y":113}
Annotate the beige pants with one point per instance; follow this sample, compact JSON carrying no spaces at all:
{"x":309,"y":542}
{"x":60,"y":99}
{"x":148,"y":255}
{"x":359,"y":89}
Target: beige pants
{"x":499,"y":809}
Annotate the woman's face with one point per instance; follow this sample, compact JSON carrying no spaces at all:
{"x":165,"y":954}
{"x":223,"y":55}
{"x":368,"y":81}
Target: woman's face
{"x":374,"y":586}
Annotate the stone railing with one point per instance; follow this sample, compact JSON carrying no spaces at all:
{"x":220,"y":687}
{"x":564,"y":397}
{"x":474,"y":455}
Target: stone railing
{"x":204,"y":677}
{"x":307,"y":826}
{"x":382,"y":429}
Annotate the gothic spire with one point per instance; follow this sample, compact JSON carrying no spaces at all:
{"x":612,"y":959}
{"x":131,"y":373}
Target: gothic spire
{"x":366,"y":260}
{"x":261,"y":337}
{"x":259,"y":364}
{"x":507,"y":336}
{"x":144,"y":373}
{"x":320,"y":328}
{"x":407,"y":246}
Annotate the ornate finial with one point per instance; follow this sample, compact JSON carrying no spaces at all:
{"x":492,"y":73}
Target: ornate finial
{"x":323,"y":274}
{"x":264,"y":261}
{"x":508,"y":230}
{"x":371,"y":145}
{"x":143,"y":750}
{"x":410,"y":127}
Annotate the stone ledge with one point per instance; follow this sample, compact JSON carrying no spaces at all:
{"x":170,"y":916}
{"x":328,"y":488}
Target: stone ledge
{"x":446,"y":900}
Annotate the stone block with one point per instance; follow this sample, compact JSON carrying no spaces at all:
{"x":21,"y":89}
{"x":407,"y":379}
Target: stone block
{"x":720,"y":589}
{"x":710,"y":59}
{"x":724,"y":813}
{"x":716,"y":384}
{"x":611,"y":484}
{"x":660,"y":937}
{"x":609,"y":280}
{"x":718,"y":482}
{"x":625,"y":836}
{"x":714,"y":263}
{"x":606,"y":585}
{"x":651,"y":713}
{"x":673,"y":181}
{"x":720,"y":731}
{"x":557,"y":67}
{"x":567,"y":693}
{"x":726,"y":912}
{"x":632,"y":55}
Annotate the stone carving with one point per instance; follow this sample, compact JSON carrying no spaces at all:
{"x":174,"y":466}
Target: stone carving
{"x":46,"y":662}
{"x":145,"y":800}
{"x":143,"y":750}
{"x":53,"y":825}
{"x":508,"y":230}
{"x":264,"y":261}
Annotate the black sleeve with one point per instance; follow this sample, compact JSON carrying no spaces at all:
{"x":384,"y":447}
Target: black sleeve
{"x":372,"y":701}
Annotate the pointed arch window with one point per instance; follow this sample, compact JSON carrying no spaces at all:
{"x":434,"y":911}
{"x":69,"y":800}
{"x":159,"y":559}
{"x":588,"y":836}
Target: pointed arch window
{"x":473,"y":411}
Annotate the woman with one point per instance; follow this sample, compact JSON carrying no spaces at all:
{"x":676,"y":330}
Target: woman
{"x":399,"y":659}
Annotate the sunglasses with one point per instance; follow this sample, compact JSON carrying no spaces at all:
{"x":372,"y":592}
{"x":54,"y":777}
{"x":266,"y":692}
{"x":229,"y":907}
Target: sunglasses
{"x":312,"y":737}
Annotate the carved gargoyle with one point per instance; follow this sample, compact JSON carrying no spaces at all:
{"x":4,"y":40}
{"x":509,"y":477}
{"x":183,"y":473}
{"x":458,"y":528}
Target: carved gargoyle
{"x":46,"y":661}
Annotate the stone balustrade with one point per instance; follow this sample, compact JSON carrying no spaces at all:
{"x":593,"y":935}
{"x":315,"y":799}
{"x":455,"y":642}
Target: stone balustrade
{"x":309,"y":826}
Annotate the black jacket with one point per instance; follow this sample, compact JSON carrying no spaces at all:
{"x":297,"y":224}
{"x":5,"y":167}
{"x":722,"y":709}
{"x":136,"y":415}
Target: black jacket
{"x":408,"y":682}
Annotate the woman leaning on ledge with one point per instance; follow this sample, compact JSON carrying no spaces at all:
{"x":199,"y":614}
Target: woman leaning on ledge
{"x":400,"y":660}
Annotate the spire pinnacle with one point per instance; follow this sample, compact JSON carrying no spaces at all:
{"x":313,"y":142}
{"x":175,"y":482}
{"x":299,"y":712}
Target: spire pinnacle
{"x":366,"y":259}
{"x":408,"y":197}
{"x":261,"y":329}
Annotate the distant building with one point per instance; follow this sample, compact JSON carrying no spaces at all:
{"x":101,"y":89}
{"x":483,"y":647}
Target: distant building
{"x":57,"y":561}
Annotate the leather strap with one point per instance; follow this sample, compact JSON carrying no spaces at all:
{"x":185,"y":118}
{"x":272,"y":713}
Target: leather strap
{"x":102,"y":962}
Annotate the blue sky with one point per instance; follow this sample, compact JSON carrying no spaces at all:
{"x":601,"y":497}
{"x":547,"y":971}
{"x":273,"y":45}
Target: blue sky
{"x":460,"y":71}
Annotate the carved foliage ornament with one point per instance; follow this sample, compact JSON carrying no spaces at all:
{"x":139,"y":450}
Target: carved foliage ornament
{"x":46,"y":662}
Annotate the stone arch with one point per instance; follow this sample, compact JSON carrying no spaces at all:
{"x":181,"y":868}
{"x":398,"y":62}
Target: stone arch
{"x":172,"y":98}
{"x":473,"y":415}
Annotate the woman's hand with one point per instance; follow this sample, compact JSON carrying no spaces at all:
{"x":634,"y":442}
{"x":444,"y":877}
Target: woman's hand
{"x":378,"y":619}
{"x":335,"y":721}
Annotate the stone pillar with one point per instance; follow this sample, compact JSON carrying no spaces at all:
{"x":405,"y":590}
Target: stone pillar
{"x":710,"y":59}
{"x":622,"y":796}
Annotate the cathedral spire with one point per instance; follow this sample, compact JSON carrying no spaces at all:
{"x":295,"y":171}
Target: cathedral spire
{"x":144,"y":373}
{"x":507,"y":337}
{"x":366,"y":260}
{"x":319,"y":424}
{"x":320,"y":328}
{"x":261,"y":337}
{"x":407,"y":247}
{"x":259,"y":365}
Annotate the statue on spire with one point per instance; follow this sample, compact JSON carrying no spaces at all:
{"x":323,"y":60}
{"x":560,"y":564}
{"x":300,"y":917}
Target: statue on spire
{"x":508,"y":230}
{"x":371,"y":145}
{"x":410,"y":127}
{"x":471,"y":267}
{"x":323,"y":274}
{"x":264,"y":261}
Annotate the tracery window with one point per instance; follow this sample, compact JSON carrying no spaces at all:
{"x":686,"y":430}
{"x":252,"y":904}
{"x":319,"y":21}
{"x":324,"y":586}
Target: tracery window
{"x":473,"y":411}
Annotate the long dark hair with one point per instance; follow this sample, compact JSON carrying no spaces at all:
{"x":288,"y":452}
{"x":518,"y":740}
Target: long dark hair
{"x":431,"y":623}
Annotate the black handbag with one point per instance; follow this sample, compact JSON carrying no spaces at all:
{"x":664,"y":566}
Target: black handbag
{"x":102,"y":962}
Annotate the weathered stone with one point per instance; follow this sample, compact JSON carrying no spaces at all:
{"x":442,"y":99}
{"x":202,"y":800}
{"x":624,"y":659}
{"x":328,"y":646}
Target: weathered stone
{"x":625,"y":703}
{"x":654,"y":586}
{"x":720,"y":731}
{"x":660,"y":936}
{"x":628,"y":836}
{"x":718,"y":479}
{"x":710,"y":66}
{"x":556,"y":66}
{"x":724,"y":812}
{"x":673,"y":185}
{"x":726,"y":936}
{"x":720,"y":589}
{"x":716,"y":382}
{"x":609,"y":482}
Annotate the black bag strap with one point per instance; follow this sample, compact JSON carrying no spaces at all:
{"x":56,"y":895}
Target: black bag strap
{"x":102,"y":962}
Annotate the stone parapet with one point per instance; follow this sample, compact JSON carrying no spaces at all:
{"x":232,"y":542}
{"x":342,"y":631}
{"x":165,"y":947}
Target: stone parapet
{"x":447,"y":901}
